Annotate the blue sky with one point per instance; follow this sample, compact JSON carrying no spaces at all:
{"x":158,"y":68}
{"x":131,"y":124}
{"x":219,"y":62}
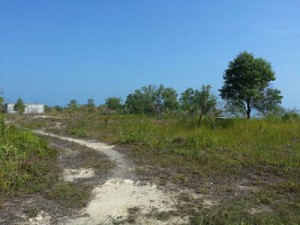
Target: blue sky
{"x":52,"y":51}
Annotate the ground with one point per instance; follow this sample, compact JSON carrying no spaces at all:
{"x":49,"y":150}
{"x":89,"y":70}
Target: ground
{"x":104,"y":184}
{"x":118,"y":194}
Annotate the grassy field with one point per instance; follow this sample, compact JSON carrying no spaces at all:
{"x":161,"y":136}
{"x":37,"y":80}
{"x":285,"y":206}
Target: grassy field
{"x":26,"y":161}
{"x":31,"y":167}
{"x":249,"y":168}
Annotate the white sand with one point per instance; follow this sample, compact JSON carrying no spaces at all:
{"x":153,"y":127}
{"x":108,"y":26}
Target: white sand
{"x":71,"y":175}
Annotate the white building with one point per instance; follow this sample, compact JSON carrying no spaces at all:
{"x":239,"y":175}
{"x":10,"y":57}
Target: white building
{"x":29,"y":109}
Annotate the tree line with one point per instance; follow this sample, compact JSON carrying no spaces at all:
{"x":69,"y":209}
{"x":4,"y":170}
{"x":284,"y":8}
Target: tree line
{"x":247,"y":86}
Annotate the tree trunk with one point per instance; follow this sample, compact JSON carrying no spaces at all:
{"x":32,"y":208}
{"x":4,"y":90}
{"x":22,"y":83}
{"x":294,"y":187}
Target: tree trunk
{"x":248,"y":114}
{"x":248,"y":110}
{"x":199,"y":121}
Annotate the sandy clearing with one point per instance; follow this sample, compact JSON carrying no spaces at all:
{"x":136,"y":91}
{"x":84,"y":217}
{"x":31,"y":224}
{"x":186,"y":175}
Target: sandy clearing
{"x":114,"y":198}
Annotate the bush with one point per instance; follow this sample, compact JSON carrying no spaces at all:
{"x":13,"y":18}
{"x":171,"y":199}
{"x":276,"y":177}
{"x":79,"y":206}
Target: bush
{"x":290,"y":115}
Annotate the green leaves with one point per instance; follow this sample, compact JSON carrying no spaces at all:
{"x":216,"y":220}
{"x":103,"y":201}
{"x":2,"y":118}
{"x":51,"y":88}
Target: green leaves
{"x":73,"y":105}
{"x":152,"y":100}
{"x":198,"y":101}
{"x":114,"y":103}
{"x":19,"y":106}
{"x":269,"y":103}
{"x":201,"y":101}
{"x":245,"y":81}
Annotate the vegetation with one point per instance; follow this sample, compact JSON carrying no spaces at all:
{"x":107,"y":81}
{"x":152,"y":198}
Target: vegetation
{"x":19,"y":106}
{"x":90,"y":103}
{"x":73,"y":106}
{"x":269,"y":104}
{"x":25,"y":160}
{"x":1,"y":103}
{"x":246,"y":81}
{"x":198,"y":101}
{"x":152,"y":100}
{"x":250,"y":168}
{"x":114,"y":103}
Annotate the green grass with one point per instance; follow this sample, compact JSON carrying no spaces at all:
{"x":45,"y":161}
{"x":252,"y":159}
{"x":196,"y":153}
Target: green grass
{"x":267,"y":145}
{"x":263,"y":154}
{"x":69,"y":195}
{"x":25,"y":161}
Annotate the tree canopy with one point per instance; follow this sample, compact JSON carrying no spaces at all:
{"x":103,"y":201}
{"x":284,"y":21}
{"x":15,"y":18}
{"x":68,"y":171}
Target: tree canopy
{"x":90,"y":103}
{"x":200,"y":101}
{"x":269,"y":104}
{"x":152,"y":100}
{"x":73,"y":105}
{"x":114,"y":103}
{"x":245,"y":81}
{"x":19,"y":106}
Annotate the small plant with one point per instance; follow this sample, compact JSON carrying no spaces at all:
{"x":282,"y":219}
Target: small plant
{"x":69,"y":195}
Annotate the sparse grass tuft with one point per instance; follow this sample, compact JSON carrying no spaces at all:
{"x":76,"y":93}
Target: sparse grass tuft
{"x":68,"y":195}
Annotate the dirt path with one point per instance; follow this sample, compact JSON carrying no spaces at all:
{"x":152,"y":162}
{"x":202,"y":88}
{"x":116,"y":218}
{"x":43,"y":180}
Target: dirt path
{"x":122,"y":199}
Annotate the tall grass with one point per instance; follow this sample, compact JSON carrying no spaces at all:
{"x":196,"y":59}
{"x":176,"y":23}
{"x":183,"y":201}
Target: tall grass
{"x":25,"y":160}
{"x":271,"y":145}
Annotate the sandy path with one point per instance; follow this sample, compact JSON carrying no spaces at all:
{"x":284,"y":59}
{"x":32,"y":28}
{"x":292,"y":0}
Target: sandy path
{"x":119,"y":195}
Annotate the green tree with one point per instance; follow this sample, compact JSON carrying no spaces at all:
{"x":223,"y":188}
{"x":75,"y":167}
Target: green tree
{"x":231,"y":109}
{"x":269,"y":103}
{"x":152,"y":100}
{"x":135,"y":102}
{"x":19,"y":106}
{"x":200,"y":101}
{"x":170,"y":102}
{"x":114,"y":103}
{"x":73,"y":105}
{"x":90,"y":105}
{"x":57,"y":109}
{"x":164,"y":99}
{"x":188,"y":101}
{"x":205,"y":101}
{"x":245,"y":81}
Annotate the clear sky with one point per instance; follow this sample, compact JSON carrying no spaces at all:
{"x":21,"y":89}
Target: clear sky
{"x":52,"y":51}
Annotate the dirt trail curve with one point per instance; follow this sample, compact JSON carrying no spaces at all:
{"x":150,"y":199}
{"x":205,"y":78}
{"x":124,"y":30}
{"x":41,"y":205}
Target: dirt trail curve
{"x":113,"y":200}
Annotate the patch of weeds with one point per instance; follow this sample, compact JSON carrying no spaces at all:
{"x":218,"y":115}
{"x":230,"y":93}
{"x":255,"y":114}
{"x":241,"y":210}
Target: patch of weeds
{"x":179,"y":140}
{"x":163,"y":216}
{"x":68,"y":195}
{"x":31,"y":212}
{"x":78,"y":133}
{"x":133,"y":212}
{"x":117,"y":221}
{"x":27,"y":164}
{"x":92,"y":159}
{"x":181,"y":179}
